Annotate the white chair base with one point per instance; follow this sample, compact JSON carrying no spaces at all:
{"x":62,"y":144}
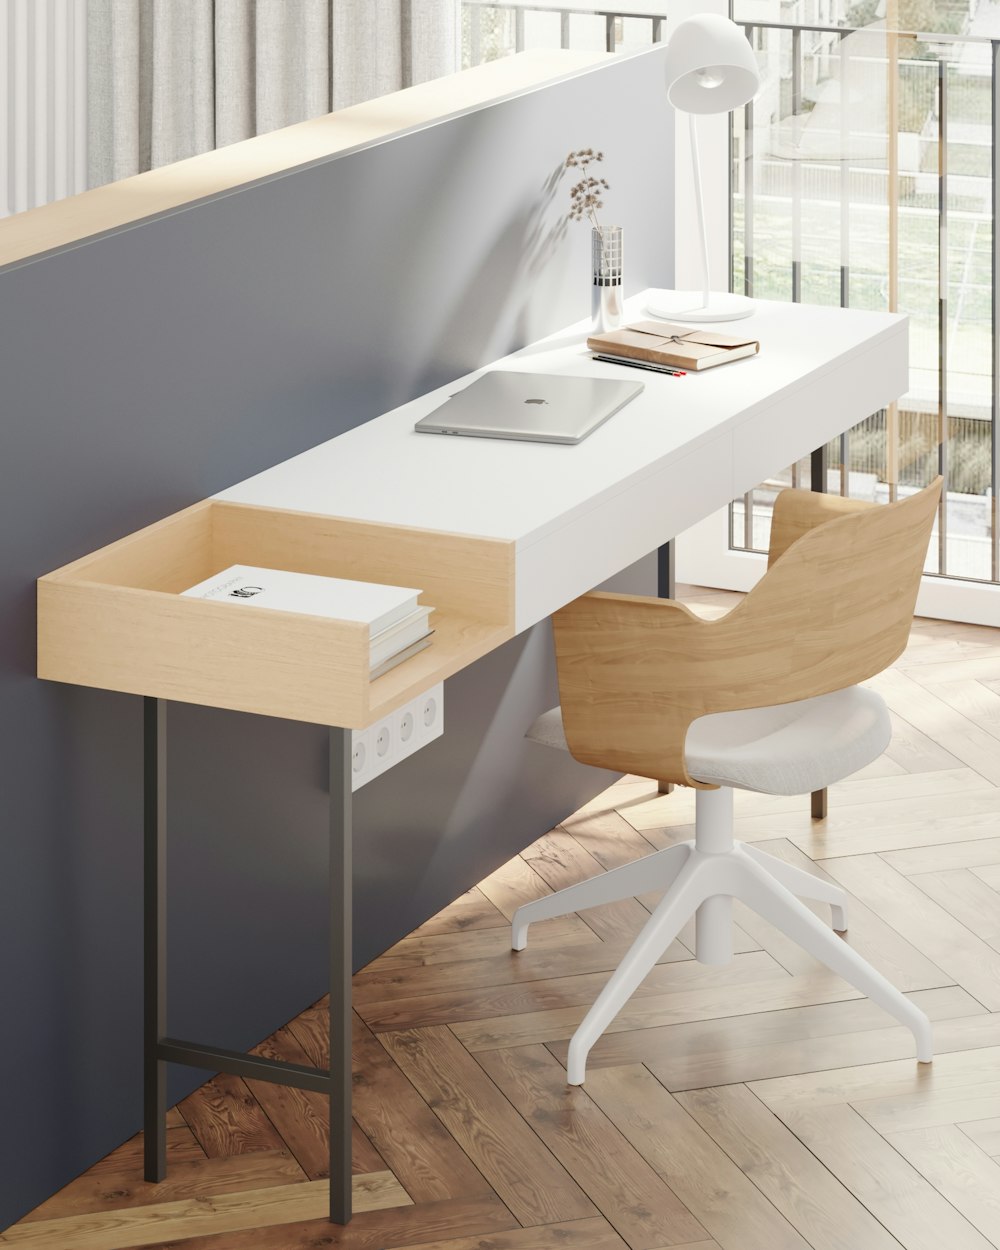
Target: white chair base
{"x":702,"y":878}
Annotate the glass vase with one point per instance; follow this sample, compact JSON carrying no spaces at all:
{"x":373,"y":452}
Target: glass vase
{"x":607,"y":297}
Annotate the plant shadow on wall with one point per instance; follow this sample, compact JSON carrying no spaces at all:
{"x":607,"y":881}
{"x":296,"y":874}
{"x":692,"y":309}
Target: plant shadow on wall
{"x":529,"y":276}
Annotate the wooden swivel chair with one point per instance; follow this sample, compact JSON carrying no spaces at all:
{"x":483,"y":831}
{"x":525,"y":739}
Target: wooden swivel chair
{"x":764,"y":699}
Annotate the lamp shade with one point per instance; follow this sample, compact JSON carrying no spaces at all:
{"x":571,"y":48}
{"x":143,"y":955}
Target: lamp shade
{"x":711,"y":67}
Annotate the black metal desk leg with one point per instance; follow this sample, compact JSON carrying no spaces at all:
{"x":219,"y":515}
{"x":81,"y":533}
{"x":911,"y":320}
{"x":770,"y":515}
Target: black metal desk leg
{"x":817,"y":476}
{"x":154,"y":778}
{"x":341,"y":966}
{"x":666,"y":573}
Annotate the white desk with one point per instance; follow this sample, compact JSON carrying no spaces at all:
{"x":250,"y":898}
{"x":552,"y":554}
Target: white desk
{"x":677,"y":453}
{"x":499,"y":534}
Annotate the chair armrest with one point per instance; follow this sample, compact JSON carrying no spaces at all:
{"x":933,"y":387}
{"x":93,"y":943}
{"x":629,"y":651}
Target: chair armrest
{"x":798,"y":511}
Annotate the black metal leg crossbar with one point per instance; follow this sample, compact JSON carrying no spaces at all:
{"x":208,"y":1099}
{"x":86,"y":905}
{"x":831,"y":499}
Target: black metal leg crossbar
{"x":159,"y":1049}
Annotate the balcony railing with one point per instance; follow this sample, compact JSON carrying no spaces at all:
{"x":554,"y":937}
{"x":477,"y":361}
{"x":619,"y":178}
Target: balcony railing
{"x":513,"y":26}
{"x":863,"y":174}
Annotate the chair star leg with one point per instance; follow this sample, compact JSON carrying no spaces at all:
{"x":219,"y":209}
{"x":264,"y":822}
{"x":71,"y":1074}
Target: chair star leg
{"x":804,"y":884}
{"x":653,"y":872}
{"x":769,"y":898}
{"x":693,"y":885}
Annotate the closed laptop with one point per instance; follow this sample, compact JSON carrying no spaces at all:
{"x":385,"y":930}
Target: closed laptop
{"x":536,"y":407}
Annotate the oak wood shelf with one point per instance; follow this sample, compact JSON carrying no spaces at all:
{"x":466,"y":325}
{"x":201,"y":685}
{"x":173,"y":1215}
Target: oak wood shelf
{"x":115,"y":619}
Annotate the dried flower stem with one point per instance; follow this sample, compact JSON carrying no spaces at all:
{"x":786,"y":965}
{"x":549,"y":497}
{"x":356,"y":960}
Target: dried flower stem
{"x":585,"y":197}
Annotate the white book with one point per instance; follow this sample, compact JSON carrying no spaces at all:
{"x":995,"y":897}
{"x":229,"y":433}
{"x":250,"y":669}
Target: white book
{"x":380,"y":607}
{"x":399,"y":656}
{"x":397,"y":637}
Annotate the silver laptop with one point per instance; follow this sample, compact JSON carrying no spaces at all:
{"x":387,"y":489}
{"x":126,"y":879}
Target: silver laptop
{"x":540,"y":408}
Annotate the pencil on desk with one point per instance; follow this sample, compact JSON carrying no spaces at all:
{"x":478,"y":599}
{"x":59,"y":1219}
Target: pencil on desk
{"x":641,"y":364}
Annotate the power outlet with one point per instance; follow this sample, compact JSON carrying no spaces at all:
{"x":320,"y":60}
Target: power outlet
{"x":388,"y":741}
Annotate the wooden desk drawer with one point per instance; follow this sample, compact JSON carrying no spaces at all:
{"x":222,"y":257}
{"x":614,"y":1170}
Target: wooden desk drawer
{"x":115,"y":619}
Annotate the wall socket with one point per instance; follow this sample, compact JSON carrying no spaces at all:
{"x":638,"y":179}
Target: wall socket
{"x":397,"y":736}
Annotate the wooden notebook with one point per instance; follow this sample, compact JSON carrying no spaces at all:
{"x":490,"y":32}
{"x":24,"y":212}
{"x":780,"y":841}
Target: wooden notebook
{"x":663,"y":343}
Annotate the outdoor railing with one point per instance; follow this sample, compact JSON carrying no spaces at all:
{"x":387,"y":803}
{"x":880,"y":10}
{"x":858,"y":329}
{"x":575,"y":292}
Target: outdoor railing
{"x":826,"y":209}
{"x":611,"y":16}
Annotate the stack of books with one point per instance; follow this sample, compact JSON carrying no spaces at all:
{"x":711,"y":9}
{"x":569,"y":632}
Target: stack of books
{"x":398,"y":626}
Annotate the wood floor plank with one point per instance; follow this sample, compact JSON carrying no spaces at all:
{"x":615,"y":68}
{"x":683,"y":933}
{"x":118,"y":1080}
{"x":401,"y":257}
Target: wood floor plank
{"x":419,"y":950}
{"x":989,"y":874}
{"x":931,"y":1108}
{"x":956,"y":949}
{"x":606,"y":832}
{"x":944,"y":858}
{"x":706,"y":1002}
{"x":967,"y":897}
{"x":191,"y":1217}
{"x":961,"y":1070}
{"x":955,"y":670}
{"x":958,"y":1169}
{"x":121,"y":1191}
{"x":182,"y":1145}
{"x":512,"y":884}
{"x":966,"y":695}
{"x":536,"y":963}
{"x":918,"y":704}
{"x":388,"y":1229}
{"x":889,"y":784}
{"x":906,"y":1204}
{"x":408,"y":1136}
{"x":814,"y":1202}
{"x":872,"y":828}
{"x":915,"y":751}
{"x":463,"y":1004}
{"x":227,"y":1119}
{"x":300,"y":1116}
{"x":874,"y":940}
{"x":471,"y":910}
{"x":735,"y":1213}
{"x":985,"y":1133}
{"x":592,"y":1234}
{"x":777,"y":1043}
{"x":524,"y":1174}
{"x":638,"y":1203}
{"x":559,"y":860}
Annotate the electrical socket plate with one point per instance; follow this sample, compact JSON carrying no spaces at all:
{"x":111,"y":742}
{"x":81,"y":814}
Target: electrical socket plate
{"x":398,"y":736}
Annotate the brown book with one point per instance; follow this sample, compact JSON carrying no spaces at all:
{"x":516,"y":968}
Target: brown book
{"x":663,"y":343}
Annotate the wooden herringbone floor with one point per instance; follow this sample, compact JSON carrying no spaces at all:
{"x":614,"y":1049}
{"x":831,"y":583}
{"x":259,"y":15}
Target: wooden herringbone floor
{"x":761,"y":1106}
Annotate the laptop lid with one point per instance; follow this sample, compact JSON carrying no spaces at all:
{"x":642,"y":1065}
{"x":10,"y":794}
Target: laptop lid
{"x":540,"y":408}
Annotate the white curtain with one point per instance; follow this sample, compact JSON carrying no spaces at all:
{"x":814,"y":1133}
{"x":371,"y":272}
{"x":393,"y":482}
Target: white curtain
{"x":171,"y":78}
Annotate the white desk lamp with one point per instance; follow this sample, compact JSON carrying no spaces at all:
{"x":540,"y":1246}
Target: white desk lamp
{"x":711,"y":68}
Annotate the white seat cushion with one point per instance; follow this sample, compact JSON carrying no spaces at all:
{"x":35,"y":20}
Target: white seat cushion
{"x":793,"y":748}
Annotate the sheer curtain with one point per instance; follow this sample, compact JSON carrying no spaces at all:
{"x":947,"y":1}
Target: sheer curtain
{"x":169,"y":80}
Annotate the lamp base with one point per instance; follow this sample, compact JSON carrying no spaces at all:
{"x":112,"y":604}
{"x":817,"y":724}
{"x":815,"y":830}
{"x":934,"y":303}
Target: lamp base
{"x":691,"y":306}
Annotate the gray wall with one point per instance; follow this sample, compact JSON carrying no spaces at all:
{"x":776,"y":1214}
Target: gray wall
{"x":155,"y":366}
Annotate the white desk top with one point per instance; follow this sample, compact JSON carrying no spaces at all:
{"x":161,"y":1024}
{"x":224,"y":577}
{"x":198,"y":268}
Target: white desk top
{"x":383,"y":471}
{"x":669,"y":458}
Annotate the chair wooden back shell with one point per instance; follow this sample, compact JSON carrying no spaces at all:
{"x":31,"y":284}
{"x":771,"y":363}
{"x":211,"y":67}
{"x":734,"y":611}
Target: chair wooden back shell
{"x":834,"y":608}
